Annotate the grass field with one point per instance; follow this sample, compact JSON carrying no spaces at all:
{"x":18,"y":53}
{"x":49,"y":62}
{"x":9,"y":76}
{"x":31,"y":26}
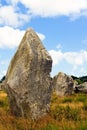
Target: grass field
{"x":66,"y":113}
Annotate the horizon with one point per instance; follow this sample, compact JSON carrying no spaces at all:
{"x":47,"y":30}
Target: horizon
{"x":61,"y":26}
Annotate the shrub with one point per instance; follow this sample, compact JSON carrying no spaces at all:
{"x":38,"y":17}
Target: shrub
{"x":79,"y":81}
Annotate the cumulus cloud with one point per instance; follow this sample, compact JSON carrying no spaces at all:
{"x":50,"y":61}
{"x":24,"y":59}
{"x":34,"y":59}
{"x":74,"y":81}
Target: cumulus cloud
{"x":73,"y":58}
{"x":77,"y":61}
{"x":57,"y":56}
{"x":12,"y":14}
{"x":50,"y":8}
{"x":9,"y":16}
{"x":11,"y":38}
{"x":41,"y":36}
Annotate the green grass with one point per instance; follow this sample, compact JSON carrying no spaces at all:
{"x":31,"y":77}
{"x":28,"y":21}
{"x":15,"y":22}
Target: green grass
{"x":81,"y":98}
{"x":50,"y":127}
{"x":85,"y":106}
{"x":67,"y":100}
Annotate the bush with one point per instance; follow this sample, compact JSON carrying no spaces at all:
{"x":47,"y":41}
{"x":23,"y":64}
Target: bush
{"x":79,"y":81}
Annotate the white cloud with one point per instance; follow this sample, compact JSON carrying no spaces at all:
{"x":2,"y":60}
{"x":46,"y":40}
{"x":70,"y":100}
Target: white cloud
{"x":57,"y":56}
{"x":11,"y":38}
{"x":41,"y":36}
{"x":13,"y":15}
{"x":76,"y":60}
{"x":9,"y":16}
{"x":51,"y":8}
{"x":73,"y":58}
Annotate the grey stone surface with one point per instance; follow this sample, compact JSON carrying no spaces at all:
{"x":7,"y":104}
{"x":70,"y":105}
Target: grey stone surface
{"x":0,"y":86}
{"x":63,"y":84}
{"x":28,"y":81}
{"x":82,"y":88}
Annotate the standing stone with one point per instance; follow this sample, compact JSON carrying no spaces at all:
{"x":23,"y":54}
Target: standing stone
{"x":0,"y":87}
{"x":63,"y":84}
{"x":81,"y":88}
{"x":28,"y":78}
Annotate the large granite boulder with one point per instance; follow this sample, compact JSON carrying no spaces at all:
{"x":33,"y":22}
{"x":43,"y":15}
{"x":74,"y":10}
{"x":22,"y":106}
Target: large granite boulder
{"x":81,"y":88}
{"x":63,"y":84}
{"x":28,"y":78}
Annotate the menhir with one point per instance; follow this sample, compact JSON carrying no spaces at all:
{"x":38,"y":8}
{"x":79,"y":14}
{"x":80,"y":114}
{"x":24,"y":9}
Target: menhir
{"x":28,"y":81}
{"x":63,"y":84}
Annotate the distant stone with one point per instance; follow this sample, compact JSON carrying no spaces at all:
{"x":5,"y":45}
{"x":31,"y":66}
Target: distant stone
{"x":81,"y":88}
{"x":0,"y":87}
{"x":28,"y":78}
{"x":63,"y":84}
{"x":75,"y":90}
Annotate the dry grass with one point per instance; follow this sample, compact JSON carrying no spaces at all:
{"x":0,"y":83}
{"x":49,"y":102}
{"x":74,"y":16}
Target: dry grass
{"x":66,"y":113}
{"x":3,"y":94}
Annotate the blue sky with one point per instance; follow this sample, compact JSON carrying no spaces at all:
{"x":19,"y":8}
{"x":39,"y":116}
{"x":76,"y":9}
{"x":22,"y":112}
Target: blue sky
{"x":61,"y":25}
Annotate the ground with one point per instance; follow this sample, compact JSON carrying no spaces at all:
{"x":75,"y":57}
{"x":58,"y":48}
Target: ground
{"x":66,"y":113}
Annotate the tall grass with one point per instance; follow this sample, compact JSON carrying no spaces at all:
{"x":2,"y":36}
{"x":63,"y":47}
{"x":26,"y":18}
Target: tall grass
{"x":81,"y":98}
{"x":67,"y":100}
{"x":66,"y":113}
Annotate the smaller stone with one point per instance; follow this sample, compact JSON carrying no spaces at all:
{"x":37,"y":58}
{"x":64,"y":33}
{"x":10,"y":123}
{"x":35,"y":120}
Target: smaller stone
{"x":63,"y":84}
{"x":81,"y":88}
